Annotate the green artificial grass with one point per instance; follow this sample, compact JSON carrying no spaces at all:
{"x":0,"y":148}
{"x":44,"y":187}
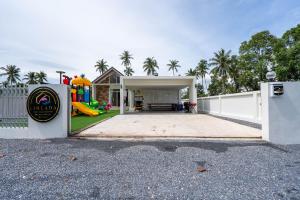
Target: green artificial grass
{"x":81,"y":121}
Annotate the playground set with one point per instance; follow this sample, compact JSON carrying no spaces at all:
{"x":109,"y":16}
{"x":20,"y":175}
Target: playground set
{"x":82,"y":102}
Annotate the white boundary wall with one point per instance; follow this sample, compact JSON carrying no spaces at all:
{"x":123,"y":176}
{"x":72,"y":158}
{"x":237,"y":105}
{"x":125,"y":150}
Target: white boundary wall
{"x":56,"y":128}
{"x":281,"y":114}
{"x":242,"y":106}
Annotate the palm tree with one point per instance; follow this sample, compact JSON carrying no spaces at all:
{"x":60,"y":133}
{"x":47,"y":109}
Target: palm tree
{"x":30,"y":78}
{"x":149,"y":65}
{"x":234,"y":72}
{"x":126,"y":57}
{"x":128,"y":71}
{"x":12,"y":72}
{"x":221,"y":61}
{"x":173,"y":65}
{"x":191,"y":72}
{"x":41,"y":77}
{"x":101,"y":66}
{"x":202,"y":70}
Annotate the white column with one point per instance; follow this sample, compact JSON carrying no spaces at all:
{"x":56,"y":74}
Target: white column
{"x":131,"y":100}
{"x":94,"y":91}
{"x":122,"y":91}
{"x":193,"y":94}
{"x":256,"y":106}
{"x":109,"y":96}
{"x":281,"y":114}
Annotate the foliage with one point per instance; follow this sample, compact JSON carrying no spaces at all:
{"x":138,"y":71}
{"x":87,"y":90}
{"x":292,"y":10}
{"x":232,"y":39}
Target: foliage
{"x":221,"y":61}
{"x":191,"y":72}
{"x":150,"y":66}
{"x":101,"y":66}
{"x":41,"y":77}
{"x":125,"y":58}
{"x":35,"y":78}
{"x":12,"y":72}
{"x":128,"y":71}
{"x":201,"y":70}
{"x":173,"y":65}
{"x":30,"y":78}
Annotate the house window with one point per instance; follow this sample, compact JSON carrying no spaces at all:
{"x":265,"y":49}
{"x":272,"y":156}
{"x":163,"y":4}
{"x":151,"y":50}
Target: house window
{"x":114,"y":79}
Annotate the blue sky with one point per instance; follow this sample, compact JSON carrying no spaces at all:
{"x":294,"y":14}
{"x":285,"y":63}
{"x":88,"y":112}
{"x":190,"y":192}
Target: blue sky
{"x":72,"y":35}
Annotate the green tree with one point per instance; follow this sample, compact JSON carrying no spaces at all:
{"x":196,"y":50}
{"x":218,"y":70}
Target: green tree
{"x":30,"y":78}
{"x":258,"y":52}
{"x":128,"y":71}
{"x":221,"y":63}
{"x":191,"y":72}
{"x":234,"y":72}
{"x":173,"y":65}
{"x":287,"y":51}
{"x":12,"y":72}
{"x":150,"y":65}
{"x":125,"y":58}
{"x":101,"y":66}
{"x":41,"y":77}
{"x":202,"y":69}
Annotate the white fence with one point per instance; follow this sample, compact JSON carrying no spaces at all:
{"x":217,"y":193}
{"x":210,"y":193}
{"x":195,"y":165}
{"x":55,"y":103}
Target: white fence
{"x":243,"y":106}
{"x":13,"y":107}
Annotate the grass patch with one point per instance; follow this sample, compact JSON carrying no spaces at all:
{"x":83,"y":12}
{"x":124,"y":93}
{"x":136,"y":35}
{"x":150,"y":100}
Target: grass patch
{"x":82,"y":121}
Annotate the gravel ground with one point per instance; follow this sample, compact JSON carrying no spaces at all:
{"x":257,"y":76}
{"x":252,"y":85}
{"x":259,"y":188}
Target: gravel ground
{"x":86,"y":169}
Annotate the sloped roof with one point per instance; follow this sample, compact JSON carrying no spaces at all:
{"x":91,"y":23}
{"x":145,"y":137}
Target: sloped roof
{"x":102,"y":76}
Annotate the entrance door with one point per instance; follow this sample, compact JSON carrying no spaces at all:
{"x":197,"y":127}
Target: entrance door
{"x":115,"y":101}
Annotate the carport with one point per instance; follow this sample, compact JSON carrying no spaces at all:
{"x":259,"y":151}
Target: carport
{"x":155,"y":90}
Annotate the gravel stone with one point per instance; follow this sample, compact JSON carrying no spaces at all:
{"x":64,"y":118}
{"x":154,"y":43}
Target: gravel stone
{"x":42,"y":169}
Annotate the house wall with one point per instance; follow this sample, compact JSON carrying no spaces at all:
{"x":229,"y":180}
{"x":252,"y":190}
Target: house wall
{"x":243,"y":106}
{"x":102,"y":93}
{"x":159,"y":96}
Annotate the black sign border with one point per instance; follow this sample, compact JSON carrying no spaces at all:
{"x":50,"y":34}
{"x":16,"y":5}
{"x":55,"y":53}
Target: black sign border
{"x":51,"y":91}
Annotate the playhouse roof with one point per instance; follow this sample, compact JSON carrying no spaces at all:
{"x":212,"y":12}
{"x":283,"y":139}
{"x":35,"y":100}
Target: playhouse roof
{"x":81,"y":81}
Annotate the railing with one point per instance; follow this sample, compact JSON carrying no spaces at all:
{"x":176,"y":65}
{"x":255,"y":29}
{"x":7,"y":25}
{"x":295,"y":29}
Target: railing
{"x":13,"y":107}
{"x":243,"y":106}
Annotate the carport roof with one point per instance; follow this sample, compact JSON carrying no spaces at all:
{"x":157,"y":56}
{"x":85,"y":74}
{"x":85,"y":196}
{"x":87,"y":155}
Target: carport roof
{"x":157,"y":81}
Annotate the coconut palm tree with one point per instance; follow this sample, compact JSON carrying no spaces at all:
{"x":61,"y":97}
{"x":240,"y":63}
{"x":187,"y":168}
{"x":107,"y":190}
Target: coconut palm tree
{"x":149,"y":65}
{"x":128,"y":71}
{"x":173,"y":65}
{"x":126,"y":57}
{"x":12,"y":72}
{"x":41,"y":77}
{"x":234,"y":72}
{"x":101,"y":66}
{"x":191,"y":72}
{"x":202,"y":70}
{"x":221,"y":61}
{"x":30,"y":78}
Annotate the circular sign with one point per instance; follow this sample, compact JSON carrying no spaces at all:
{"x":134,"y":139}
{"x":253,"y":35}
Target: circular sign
{"x":43,"y":104}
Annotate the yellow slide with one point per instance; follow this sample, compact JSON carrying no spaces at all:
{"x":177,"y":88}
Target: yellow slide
{"x":85,"y":110}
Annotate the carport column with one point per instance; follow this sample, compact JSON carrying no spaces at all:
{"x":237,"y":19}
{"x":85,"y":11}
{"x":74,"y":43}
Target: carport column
{"x":130,"y":100}
{"x":122,"y":92}
{"x":193,"y":94}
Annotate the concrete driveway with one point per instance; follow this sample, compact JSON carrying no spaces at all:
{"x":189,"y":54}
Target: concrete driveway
{"x":170,"y":125}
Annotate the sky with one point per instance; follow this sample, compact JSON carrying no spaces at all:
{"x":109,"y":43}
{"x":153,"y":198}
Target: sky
{"x":71,"y":35}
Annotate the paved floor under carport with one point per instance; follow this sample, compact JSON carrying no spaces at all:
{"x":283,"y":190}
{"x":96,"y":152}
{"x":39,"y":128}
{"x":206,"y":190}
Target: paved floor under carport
{"x":170,"y":125}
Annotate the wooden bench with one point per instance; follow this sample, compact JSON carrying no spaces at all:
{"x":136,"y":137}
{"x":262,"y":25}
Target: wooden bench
{"x":162,"y":106}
